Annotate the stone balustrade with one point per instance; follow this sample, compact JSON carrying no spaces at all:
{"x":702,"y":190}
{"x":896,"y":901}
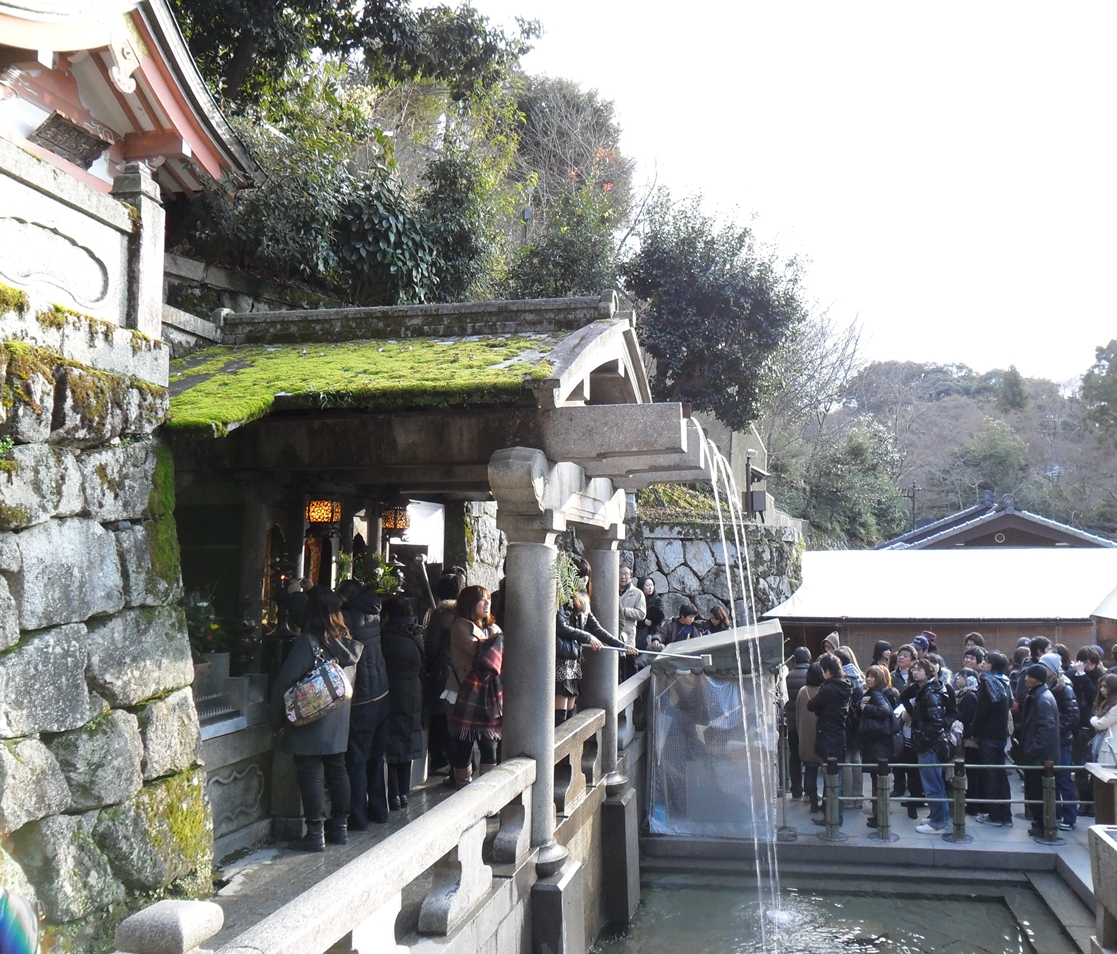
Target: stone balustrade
{"x":628,"y":693}
{"x":577,"y":759}
{"x":362,"y":900}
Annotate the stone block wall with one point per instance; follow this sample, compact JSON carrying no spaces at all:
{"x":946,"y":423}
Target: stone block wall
{"x":102,"y":799}
{"x":687,"y":562}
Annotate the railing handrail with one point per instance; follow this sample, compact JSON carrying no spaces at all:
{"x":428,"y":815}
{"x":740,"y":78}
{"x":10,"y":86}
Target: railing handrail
{"x":578,"y":729}
{"x":633,"y":688}
{"x":322,"y":915}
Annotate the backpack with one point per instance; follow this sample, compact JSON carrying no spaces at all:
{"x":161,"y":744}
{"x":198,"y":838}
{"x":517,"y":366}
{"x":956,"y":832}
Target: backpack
{"x":853,"y":716}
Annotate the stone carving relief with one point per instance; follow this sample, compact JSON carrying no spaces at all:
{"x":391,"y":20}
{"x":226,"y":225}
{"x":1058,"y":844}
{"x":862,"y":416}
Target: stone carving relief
{"x":37,"y":255}
{"x":236,"y":797}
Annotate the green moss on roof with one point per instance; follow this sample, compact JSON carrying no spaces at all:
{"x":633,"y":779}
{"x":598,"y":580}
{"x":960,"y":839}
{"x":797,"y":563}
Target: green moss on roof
{"x":216,"y":390}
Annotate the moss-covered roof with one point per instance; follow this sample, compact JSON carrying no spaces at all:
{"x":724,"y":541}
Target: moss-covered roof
{"x":217,"y":390}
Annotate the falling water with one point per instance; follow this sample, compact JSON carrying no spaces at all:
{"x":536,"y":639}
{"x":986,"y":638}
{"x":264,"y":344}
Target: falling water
{"x":767,"y":869}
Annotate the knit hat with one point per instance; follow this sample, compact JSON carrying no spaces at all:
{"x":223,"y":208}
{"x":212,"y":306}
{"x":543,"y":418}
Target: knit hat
{"x":802,"y":654}
{"x":1036,"y":671}
{"x":920,"y":642}
{"x":1052,"y":661}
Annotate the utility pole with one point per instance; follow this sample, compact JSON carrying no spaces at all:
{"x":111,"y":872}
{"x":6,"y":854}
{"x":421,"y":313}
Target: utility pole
{"x":910,"y":495}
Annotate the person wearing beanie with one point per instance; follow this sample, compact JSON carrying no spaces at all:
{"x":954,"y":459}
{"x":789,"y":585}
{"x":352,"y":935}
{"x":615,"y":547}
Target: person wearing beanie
{"x":1052,"y":661}
{"x":932,"y":641}
{"x":882,"y":652}
{"x":1039,"y":738}
{"x":796,"y":679}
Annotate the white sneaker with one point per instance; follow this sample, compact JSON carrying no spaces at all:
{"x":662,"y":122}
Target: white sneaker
{"x":983,"y":818}
{"x":928,"y":829}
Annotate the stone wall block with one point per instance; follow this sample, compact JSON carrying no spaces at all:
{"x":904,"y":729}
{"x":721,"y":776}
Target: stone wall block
{"x":30,"y":487}
{"x":160,"y":836}
{"x":151,"y":577}
{"x":9,"y":617}
{"x":669,"y":553}
{"x":71,"y":875}
{"x":144,"y":410}
{"x":171,"y":735}
{"x":42,"y":683}
{"x":101,"y":760}
{"x":88,"y":407}
{"x":12,"y":876}
{"x":699,"y":556}
{"x":117,"y":481}
{"x":139,"y":653}
{"x":71,"y":498}
{"x":89,"y":586}
{"x":714,"y":583}
{"x":30,"y":384}
{"x":683,"y":581}
{"x":32,"y":785}
{"x":10,"y":560}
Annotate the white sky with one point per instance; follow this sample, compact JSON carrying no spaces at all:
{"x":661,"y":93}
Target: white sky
{"x":947,"y":168}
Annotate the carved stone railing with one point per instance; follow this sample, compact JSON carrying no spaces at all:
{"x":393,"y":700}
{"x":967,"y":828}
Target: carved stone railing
{"x":362,"y":900}
{"x":629,"y":693}
{"x":577,"y":759}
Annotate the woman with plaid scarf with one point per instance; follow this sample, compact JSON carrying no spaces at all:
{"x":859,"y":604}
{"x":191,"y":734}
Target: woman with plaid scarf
{"x":477,"y":653}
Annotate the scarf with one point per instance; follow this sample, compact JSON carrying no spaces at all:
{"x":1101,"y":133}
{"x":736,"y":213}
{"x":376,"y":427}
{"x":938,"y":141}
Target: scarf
{"x":479,"y":711}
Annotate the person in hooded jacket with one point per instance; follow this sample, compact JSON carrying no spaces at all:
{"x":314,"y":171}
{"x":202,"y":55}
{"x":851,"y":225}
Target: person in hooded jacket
{"x":368,"y":718}
{"x":401,"y":640}
{"x":318,"y":748}
{"x":924,"y":702}
{"x":807,"y":722}
{"x":436,"y":652}
{"x":831,"y":706}
{"x":796,"y":679}
{"x":1039,"y":738}
{"x":1063,"y":692}
{"x":991,"y":731}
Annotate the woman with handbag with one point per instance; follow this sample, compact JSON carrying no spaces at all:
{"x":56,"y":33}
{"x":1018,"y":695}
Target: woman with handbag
{"x":318,"y":747}
{"x":879,"y":726}
{"x":474,"y":687}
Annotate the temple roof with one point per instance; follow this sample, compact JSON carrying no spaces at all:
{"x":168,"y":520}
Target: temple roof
{"x":89,"y":86}
{"x":972,"y":584}
{"x":539,"y":353}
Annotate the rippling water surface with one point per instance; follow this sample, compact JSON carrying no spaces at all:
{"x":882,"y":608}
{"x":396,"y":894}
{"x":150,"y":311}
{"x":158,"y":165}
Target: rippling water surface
{"x":717,"y":919}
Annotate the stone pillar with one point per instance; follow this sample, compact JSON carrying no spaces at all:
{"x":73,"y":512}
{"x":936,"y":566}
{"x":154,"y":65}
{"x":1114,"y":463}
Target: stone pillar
{"x":135,"y":187}
{"x":599,"y":679}
{"x":529,"y":683}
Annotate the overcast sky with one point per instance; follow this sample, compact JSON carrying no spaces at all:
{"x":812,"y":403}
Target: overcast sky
{"x":948,"y":168}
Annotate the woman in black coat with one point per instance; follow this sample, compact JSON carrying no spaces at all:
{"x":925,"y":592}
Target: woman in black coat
{"x":877,"y":705}
{"x":653,"y":616}
{"x":576,"y":628}
{"x":368,"y":718}
{"x":831,"y":707}
{"x":401,"y":639}
{"x":318,"y":748}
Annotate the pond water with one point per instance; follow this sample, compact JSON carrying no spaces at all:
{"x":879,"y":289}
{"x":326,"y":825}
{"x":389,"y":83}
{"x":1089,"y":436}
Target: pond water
{"x":685,"y":914}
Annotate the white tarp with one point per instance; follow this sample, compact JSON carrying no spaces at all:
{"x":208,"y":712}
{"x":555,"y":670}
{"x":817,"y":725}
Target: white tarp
{"x":1041,"y":583}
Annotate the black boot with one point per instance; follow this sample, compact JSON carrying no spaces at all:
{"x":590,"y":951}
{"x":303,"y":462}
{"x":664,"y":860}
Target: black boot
{"x":337,"y":831}
{"x":313,"y":840}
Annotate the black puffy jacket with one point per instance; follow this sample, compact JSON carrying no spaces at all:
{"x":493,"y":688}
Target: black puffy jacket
{"x":927,"y":708}
{"x":1039,"y":731}
{"x":831,"y":705}
{"x":573,"y":631}
{"x":362,"y":617}
{"x":1068,"y":709}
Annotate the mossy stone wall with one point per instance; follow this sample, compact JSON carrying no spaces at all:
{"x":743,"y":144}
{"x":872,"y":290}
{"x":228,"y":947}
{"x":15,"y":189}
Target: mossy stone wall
{"x":96,"y":820}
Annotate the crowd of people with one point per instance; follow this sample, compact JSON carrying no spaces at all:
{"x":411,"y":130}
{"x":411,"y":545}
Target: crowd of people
{"x":908,"y":707}
{"x":443,"y":675}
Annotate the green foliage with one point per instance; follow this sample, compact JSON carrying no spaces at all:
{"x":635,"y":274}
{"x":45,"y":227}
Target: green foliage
{"x":574,"y":253}
{"x":203,"y":625}
{"x":995,"y":458}
{"x":848,"y":488}
{"x":244,"y":48}
{"x":1099,"y":392}
{"x":378,"y":575}
{"x":1012,"y":392}
{"x":717,"y":308}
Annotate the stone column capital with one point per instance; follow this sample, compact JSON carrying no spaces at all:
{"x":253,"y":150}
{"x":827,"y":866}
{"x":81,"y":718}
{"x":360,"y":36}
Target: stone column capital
{"x":601,"y":538}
